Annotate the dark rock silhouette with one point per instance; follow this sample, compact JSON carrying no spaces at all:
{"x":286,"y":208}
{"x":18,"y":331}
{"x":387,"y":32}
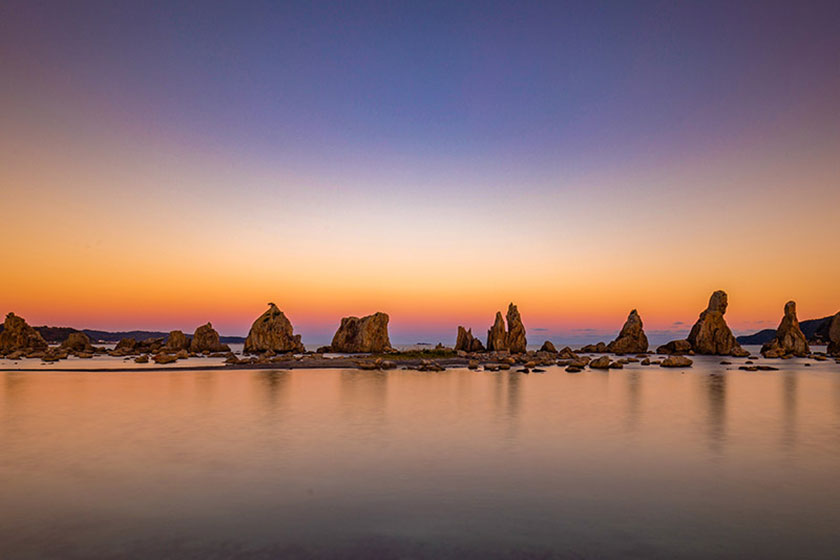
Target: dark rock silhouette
{"x":632,"y":338}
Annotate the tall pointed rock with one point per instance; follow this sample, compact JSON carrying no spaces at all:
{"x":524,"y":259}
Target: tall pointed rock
{"x":789,"y":338}
{"x":632,"y":338}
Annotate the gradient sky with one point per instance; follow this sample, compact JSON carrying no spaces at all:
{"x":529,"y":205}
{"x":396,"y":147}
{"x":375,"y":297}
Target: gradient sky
{"x":165,"y":164}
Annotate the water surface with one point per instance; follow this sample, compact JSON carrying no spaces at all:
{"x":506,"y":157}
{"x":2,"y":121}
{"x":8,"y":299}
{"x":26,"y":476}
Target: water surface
{"x":707,"y":462}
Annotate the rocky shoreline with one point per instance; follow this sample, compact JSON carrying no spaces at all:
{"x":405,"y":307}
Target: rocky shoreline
{"x":364,"y":344}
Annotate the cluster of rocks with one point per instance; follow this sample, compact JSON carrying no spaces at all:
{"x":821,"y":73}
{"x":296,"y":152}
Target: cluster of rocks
{"x":511,"y":339}
{"x":834,"y":336}
{"x":466,"y":342}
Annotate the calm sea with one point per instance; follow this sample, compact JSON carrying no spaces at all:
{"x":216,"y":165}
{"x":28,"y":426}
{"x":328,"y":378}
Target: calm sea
{"x":707,"y":462}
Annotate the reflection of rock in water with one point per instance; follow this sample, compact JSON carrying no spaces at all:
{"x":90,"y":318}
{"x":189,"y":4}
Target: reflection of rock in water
{"x":364,"y":395}
{"x":789,"y":389}
{"x":634,"y":399}
{"x":273,"y":385}
{"x":716,"y":417}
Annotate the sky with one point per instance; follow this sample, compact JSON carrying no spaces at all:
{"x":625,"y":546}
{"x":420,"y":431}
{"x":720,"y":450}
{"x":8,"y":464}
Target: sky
{"x":165,"y":164}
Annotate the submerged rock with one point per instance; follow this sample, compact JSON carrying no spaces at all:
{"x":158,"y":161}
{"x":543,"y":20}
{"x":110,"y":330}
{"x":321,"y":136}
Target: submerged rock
{"x":834,"y":336}
{"x":272,"y":331}
{"x":632,"y":338}
{"x":177,"y":340}
{"x":366,"y":334}
{"x":789,"y":338}
{"x":206,"y":339}
{"x":467,"y":342}
{"x":710,"y":334}
{"x":18,"y":335}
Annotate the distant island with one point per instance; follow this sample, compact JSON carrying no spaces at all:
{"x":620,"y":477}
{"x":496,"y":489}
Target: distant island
{"x":57,"y":335}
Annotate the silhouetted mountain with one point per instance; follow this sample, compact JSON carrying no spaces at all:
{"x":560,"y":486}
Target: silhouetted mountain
{"x":55,"y":335}
{"x":815,"y":330}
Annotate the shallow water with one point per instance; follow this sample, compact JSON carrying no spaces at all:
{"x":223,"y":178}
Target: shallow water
{"x":706,"y":462}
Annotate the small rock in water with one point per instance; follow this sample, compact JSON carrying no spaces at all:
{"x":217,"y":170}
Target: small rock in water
{"x":574,"y":369}
{"x":538,"y":370}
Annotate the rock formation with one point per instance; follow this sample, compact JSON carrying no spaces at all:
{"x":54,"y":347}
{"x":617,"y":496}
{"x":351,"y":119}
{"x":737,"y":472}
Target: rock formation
{"x":789,"y":337}
{"x":632,"y":337}
{"x":126,"y":346}
{"x":467,"y":342}
{"x":177,"y":340}
{"x":710,"y":334}
{"x":516,"y":341}
{"x":834,"y":336}
{"x":368,"y":334}
{"x":548,"y":346}
{"x":17,"y":336}
{"x":77,"y":342}
{"x":513,"y":339}
{"x":496,"y":335}
{"x":206,"y":339}
{"x":272,"y":331}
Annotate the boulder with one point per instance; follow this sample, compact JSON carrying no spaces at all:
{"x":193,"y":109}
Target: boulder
{"x":600,"y":363}
{"x":676,"y":347}
{"x":177,"y":340}
{"x":206,"y":339}
{"x":834,"y":336}
{"x":676,"y":361}
{"x":164,"y":358}
{"x":466,"y":342}
{"x":77,"y":342}
{"x":710,"y":334}
{"x":631,"y":339}
{"x":18,"y":335}
{"x":273,"y":331}
{"x":366,"y":334}
{"x":548,"y":347}
{"x":789,"y":338}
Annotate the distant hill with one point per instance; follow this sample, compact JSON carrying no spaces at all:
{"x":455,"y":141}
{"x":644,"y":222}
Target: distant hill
{"x":815,"y":330}
{"x":56,"y":335}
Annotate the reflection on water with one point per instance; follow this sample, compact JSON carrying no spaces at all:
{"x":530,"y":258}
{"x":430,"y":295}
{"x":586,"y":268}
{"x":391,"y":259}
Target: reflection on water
{"x":716,"y":416}
{"x":641,"y":462}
